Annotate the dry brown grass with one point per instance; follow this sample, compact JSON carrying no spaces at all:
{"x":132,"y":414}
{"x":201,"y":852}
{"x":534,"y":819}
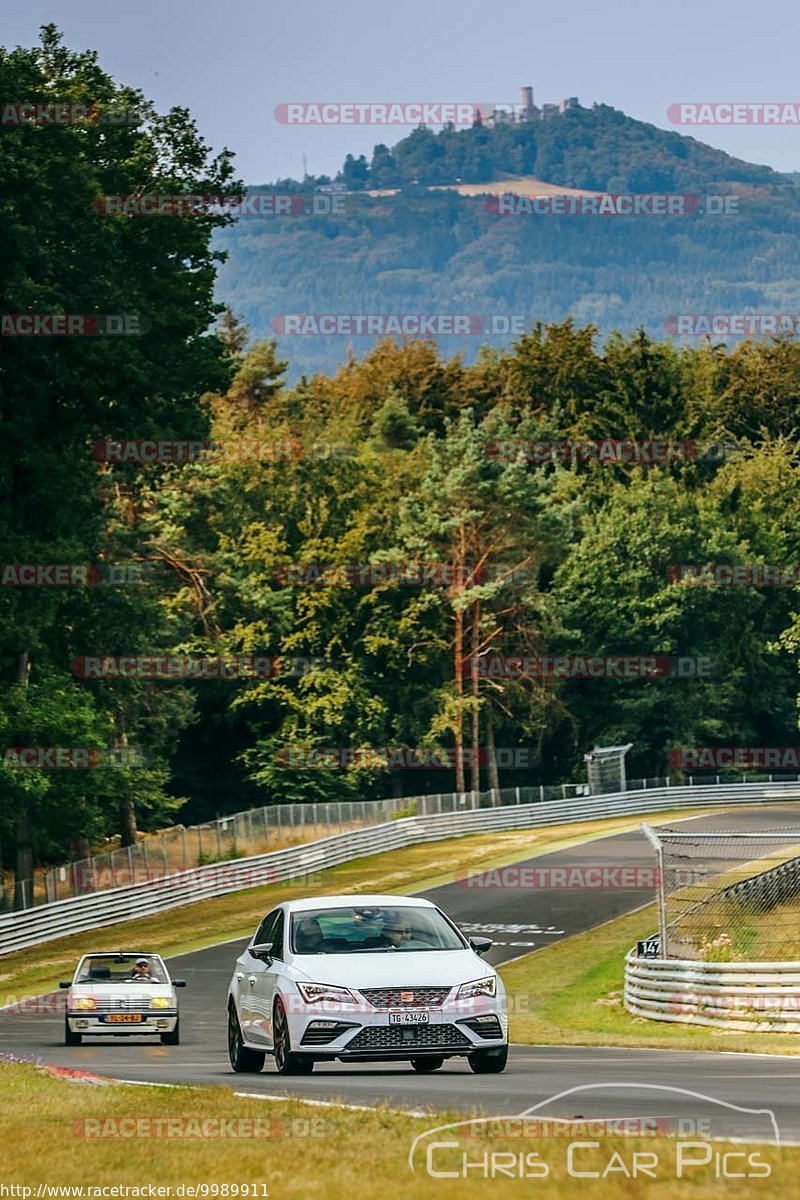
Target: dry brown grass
{"x":335,"y":1154}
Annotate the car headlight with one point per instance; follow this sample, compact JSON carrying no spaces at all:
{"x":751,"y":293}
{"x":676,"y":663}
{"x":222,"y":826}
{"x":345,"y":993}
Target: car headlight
{"x":84,"y":1003}
{"x":478,"y":987}
{"x":314,"y":993}
{"x":160,"y":1002}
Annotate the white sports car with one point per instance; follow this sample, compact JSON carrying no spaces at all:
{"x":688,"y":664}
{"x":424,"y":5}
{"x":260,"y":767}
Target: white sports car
{"x":121,"y":995}
{"x":364,"y":979}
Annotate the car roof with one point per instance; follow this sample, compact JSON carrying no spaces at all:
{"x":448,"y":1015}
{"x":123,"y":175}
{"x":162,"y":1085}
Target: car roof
{"x":304,"y":903}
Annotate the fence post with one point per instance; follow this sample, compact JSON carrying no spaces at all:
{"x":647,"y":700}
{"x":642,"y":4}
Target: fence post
{"x":655,"y":842}
{"x":183,"y":846}
{"x":518,"y":796}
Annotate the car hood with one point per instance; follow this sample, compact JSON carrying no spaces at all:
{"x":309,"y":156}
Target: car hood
{"x":392,"y":968}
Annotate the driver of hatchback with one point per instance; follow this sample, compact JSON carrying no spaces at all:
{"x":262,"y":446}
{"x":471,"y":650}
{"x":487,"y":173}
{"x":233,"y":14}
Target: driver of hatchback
{"x":310,"y":938}
{"x":141,"y":972}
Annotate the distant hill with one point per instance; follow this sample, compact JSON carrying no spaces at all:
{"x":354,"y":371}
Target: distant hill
{"x":422,"y":246}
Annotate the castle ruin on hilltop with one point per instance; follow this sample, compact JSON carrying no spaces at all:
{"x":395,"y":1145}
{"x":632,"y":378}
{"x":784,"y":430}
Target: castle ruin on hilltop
{"x":526,"y":110}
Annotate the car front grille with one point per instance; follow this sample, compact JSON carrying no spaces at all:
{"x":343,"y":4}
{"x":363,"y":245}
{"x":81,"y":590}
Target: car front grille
{"x":406,"y":997}
{"x":408,"y":1037}
{"x":118,"y":1004}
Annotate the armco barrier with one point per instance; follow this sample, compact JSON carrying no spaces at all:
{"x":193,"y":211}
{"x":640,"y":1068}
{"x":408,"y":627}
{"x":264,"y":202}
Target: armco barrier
{"x":756,"y":996}
{"x":79,"y":914}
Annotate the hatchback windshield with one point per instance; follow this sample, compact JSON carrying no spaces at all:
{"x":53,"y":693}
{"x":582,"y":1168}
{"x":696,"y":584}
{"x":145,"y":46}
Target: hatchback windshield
{"x":372,"y":930}
{"x":120,"y":968}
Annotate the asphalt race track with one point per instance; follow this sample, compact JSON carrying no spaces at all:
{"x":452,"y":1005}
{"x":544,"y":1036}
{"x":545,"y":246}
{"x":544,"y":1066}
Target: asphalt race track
{"x":616,"y":1082}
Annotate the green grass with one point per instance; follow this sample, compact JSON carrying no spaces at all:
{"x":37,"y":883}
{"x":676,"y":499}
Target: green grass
{"x":570,"y":994}
{"x":311,"y":1152}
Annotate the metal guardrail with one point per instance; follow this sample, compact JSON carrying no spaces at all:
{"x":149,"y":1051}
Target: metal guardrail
{"x":758,"y":996}
{"x":258,"y":830}
{"x":78,"y":914}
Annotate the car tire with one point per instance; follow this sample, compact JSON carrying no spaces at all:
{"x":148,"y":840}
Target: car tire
{"x":243,"y":1060}
{"x":488,"y":1062}
{"x":70,"y":1038}
{"x":424,"y":1066}
{"x":286,"y":1061}
{"x":173,"y":1038}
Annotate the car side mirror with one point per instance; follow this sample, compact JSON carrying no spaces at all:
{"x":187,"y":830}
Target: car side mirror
{"x":179,"y":983}
{"x":480,"y":944}
{"x":65,"y":983}
{"x":263,"y":951}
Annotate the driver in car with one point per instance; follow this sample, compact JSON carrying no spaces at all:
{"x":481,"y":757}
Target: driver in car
{"x":310,"y":938}
{"x":397,"y":934}
{"x":141,"y":972}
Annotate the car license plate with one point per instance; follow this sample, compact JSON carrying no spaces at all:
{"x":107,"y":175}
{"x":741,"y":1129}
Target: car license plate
{"x":409,"y":1018}
{"x":123,"y":1018}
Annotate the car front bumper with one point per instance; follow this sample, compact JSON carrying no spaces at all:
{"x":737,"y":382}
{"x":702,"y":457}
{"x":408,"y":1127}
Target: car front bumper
{"x":369,"y":1035}
{"x":92,"y":1025}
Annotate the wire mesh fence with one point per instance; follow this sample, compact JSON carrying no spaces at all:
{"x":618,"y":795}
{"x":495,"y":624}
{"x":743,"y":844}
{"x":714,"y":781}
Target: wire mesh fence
{"x":729,"y":896}
{"x":254,"y":831}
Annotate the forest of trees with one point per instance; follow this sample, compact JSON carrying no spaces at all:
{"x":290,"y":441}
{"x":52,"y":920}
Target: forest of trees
{"x":389,"y":462}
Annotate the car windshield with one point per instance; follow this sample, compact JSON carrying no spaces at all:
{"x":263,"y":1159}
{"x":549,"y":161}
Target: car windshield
{"x":121,"y":968}
{"x":372,"y":931}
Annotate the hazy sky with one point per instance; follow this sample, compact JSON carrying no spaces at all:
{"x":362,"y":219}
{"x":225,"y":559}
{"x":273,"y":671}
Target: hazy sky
{"x":231,"y":64}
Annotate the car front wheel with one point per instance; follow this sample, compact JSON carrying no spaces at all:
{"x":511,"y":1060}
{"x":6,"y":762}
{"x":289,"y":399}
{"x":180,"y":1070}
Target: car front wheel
{"x":286,"y":1061}
{"x":242,"y":1058}
{"x":173,"y":1038}
{"x":70,"y":1038}
{"x":488,"y":1062}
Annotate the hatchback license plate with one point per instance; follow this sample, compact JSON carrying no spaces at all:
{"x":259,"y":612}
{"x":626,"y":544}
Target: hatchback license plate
{"x":409,"y":1018}
{"x":122,"y":1018}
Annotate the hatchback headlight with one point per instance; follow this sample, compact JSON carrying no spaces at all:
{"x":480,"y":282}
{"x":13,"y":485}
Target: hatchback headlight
{"x":478,"y":987}
{"x":84,"y":1003}
{"x":314,"y":993}
{"x":160,"y":1002}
